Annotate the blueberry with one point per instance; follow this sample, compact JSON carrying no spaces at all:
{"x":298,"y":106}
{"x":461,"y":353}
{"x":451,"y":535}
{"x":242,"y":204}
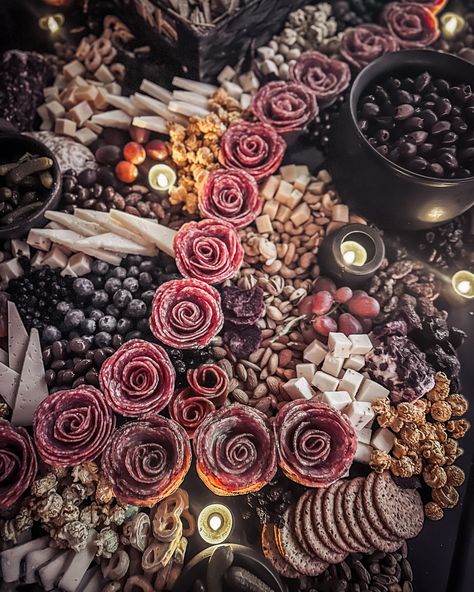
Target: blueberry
{"x":73,"y":318}
{"x":103,"y":339}
{"x":148,"y":296}
{"x":95,"y":314}
{"x":51,"y":334}
{"x":144,"y":279}
{"x":119,"y":272}
{"x":100,"y":267}
{"x":108,"y":324}
{"x":63,"y":306}
{"x":112,"y":310}
{"x":132,"y":335}
{"x":146,"y":265}
{"x":122,"y":298}
{"x":100,"y":298}
{"x":143,"y":325}
{"x":123,"y":326}
{"x":134,"y":260}
{"x":88,"y":326}
{"x":83,"y":287}
{"x":133,"y":271}
{"x":131,"y":284}
{"x":112,"y":284}
{"x":136,"y":309}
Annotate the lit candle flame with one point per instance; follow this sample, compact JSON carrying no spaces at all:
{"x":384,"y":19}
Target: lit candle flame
{"x":463,"y":283}
{"x":452,"y":24}
{"x":353,"y":253}
{"x":53,"y":25}
{"x":215,"y":523}
{"x":349,"y":257}
{"x":162,"y":180}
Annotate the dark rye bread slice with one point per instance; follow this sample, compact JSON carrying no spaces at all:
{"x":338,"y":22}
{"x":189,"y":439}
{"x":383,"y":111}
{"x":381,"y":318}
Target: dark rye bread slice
{"x":331,"y":519}
{"x":376,"y":540}
{"x":370,"y":509}
{"x":271,"y":552}
{"x":299,"y":520}
{"x":314,"y":531}
{"x":349,"y":539}
{"x":294,"y":553}
{"x":400,"y":510}
{"x":348,"y":504}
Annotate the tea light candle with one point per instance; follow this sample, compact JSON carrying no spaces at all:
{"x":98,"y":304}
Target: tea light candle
{"x":352,"y":254}
{"x":161,"y":178}
{"x":451,"y":24}
{"x":463,"y":283}
{"x":51,"y":23}
{"x":215,"y":523}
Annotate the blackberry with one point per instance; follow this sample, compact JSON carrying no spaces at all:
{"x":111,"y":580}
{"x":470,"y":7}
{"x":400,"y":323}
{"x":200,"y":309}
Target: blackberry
{"x":320,"y":128}
{"x":350,"y":13}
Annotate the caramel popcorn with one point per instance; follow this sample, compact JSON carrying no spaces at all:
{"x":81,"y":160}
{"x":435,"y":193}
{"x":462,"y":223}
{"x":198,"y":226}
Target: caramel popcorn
{"x":403,"y":467}
{"x":380,"y":461}
{"x":44,"y":485}
{"x":440,"y":391}
{"x":445,"y":497}
{"x":458,"y":403}
{"x":455,"y":476}
{"x":433,"y":511}
{"x":434,"y":452}
{"x":410,"y":436}
{"x":399,"y":449}
{"x":458,"y":428}
{"x":441,"y":411}
{"x":435,"y":476}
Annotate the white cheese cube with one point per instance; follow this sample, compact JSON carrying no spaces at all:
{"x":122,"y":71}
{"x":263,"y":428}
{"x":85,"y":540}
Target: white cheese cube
{"x":371,"y":391}
{"x":383,"y":440}
{"x":315,"y":352}
{"x":80,"y":264}
{"x":363,"y":453}
{"x":354,"y":362}
{"x":289,"y":173}
{"x":336,"y":399}
{"x":56,"y":258}
{"x":226,"y":74}
{"x":351,"y":382}
{"x":364,"y":435}
{"x":270,"y":187}
{"x":359,"y":414}
{"x":332,"y":365}
{"x":20,"y":248}
{"x":306,"y":371}
{"x":361,"y":344}
{"x":325,"y":382}
{"x":339,"y":345}
{"x":298,"y":388}
{"x":10,"y":270}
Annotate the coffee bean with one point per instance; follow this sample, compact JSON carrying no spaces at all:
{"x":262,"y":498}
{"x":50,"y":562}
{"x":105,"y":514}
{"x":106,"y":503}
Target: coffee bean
{"x":412,"y":124}
{"x":436,"y":169}
{"x":466,"y":155}
{"x":422,"y":81}
{"x":429,"y":118}
{"x":407,"y":572}
{"x":383,"y":149}
{"x":47,"y":355}
{"x":65,"y":377}
{"x":417,"y":137}
{"x":370,"y":110}
{"x":89,"y":203}
{"x":407,"y":150}
{"x":449,"y":138}
{"x":99,"y":357}
{"x":78,"y":382}
{"x":448,"y":161}
{"x":402,"y":96}
{"x":442,"y":107}
{"x":362,"y":574}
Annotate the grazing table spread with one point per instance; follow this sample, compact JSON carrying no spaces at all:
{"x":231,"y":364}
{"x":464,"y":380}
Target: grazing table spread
{"x":236,"y":296}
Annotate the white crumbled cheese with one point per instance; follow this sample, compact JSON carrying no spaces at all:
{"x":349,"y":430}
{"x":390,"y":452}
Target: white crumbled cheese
{"x":339,"y":345}
{"x":371,"y":391}
{"x":361,"y":344}
{"x":363,"y":453}
{"x":364,"y":435}
{"x":298,"y":388}
{"x":315,"y":352}
{"x":306,"y":371}
{"x":325,"y":382}
{"x":383,"y":439}
{"x":354,"y":362}
{"x":332,"y":365}
{"x":359,"y":414}
{"x":351,"y":382}
{"x":336,"y":399}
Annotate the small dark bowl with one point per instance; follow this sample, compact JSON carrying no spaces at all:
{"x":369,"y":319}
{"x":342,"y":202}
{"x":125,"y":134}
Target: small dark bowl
{"x":12,"y":147}
{"x":375,"y":186}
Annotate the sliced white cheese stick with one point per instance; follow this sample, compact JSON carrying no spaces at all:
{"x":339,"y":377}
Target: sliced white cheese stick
{"x":155,"y":91}
{"x":10,"y":560}
{"x":187,"y":109}
{"x":115,"y":118}
{"x":153,"y":123}
{"x":159,"y":235}
{"x":104,"y":219}
{"x":9,"y":380}
{"x":192,"y":85}
{"x":75,"y":571}
{"x":113,"y":242}
{"x":122,"y":103}
{"x":157,"y":107}
{"x":190,"y":97}
{"x":36,"y":559}
{"x":3,"y":357}
{"x":72,"y":223}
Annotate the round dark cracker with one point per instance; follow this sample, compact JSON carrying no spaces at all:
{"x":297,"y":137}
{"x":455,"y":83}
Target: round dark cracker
{"x":299,"y":520}
{"x":376,"y":540}
{"x":294,"y":553}
{"x":371,"y":510}
{"x":314,"y":530}
{"x":400,"y":510}
{"x":349,"y":539}
{"x":271,"y":552}
{"x":348,"y":505}
{"x":330,"y":519}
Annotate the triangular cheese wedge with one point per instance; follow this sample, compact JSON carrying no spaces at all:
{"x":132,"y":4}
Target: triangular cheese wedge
{"x":17,"y":338}
{"x":159,"y":235}
{"x":106,"y":221}
{"x":3,"y":357}
{"x":9,"y":380}
{"x":113,"y":242}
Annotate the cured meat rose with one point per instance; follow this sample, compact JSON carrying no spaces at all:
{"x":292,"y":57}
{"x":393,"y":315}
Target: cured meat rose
{"x":366,"y":43}
{"x":315,"y":443}
{"x":137,"y":379}
{"x":230,"y":195}
{"x":208,"y":250}
{"x":73,"y":426}
{"x":147,"y":460}
{"x":434,"y":5}
{"x":210,"y":381}
{"x":412,"y":24}
{"x":190,"y":410}
{"x":186,"y":313}
{"x":18,"y":464}
{"x":235,"y":450}
{"x":253,"y":147}
{"x":325,"y":77}
{"x":287,"y":107}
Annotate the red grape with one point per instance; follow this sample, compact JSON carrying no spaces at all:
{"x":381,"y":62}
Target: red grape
{"x":324,"y":283}
{"x":343,"y":295}
{"x":322,"y":302}
{"x":305,"y":307}
{"x":364,"y":306}
{"x":348,"y":324}
{"x":324,"y":325}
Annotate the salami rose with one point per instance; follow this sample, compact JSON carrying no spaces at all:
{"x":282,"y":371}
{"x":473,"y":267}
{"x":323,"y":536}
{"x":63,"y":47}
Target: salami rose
{"x":190,"y":410}
{"x":412,"y":24}
{"x":73,"y":426}
{"x":186,"y":313}
{"x":209,"y":250}
{"x":325,"y":77}
{"x":366,"y":43}
{"x":210,"y":381}
{"x":137,"y":379}
{"x":253,"y":147}
{"x":316,"y":443}
{"x":18,"y":464}
{"x":286,"y":106}
{"x":235,"y":450}
{"x":147,"y":460}
{"x":230,"y":195}
{"x":434,"y":5}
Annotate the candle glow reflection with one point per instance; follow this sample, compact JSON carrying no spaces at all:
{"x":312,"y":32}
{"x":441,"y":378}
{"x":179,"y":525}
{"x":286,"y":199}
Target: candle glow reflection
{"x":353,"y":253}
{"x":215,"y":523}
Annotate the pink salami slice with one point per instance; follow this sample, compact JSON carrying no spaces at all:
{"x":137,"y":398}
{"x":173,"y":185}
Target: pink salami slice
{"x":18,"y":464}
{"x":189,"y":410}
{"x":73,"y":426}
{"x":210,"y":381}
{"x":209,"y":251}
{"x":137,"y":379}
{"x":413,"y":24}
{"x":186,"y":313}
{"x":366,"y":43}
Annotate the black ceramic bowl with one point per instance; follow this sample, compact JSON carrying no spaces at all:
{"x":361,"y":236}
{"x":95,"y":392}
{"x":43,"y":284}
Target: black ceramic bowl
{"x":378,"y":188}
{"x":12,"y":147}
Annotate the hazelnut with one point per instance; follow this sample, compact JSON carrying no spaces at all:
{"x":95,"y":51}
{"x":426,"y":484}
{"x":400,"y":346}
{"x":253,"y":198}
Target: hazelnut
{"x":441,"y":411}
{"x":455,"y":475}
{"x":446,"y":497}
{"x":458,"y":403}
{"x":433,"y":511}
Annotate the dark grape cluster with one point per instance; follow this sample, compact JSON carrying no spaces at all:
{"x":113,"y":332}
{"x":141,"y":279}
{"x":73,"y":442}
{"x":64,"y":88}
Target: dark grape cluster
{"x":350,"y":13}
